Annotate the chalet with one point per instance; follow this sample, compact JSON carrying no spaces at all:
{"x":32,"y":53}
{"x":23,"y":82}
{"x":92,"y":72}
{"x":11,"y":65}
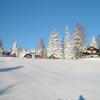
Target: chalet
{"x":28,"y":55}
{"x":91,"y":52}
{"x":53,"y":57}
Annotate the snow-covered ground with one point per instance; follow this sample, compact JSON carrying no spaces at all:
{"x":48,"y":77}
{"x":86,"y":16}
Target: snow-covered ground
{"x":35,"y":79}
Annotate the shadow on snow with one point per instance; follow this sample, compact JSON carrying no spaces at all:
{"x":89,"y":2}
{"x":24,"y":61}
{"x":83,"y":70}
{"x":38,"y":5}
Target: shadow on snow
{"x":10,"y":69}
{"x":6,"y":89}
{"x":81,"y":97}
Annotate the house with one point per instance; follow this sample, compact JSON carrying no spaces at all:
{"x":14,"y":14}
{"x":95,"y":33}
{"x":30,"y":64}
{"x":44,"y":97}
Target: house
{"x":25,"y":54}
{"x":91,"y":52}
{"x":28,"y":55}
{"x":52,"y":57}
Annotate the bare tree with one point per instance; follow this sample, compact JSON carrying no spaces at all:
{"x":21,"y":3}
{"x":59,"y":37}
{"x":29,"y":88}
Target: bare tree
{"x":41,"y":50}
{"x":41,"y":44}
{"x":79,"y":40}
{"x":1,"y":45}
{"x":82,"y":32}
{"x":98,"y":41}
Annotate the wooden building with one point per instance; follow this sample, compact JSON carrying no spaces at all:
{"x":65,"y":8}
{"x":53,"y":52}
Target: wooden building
{"x":28,"y":55}
{"x":92,"y":52}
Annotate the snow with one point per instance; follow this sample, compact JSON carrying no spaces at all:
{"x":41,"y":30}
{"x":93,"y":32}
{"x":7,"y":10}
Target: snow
{"x":47,"y":79}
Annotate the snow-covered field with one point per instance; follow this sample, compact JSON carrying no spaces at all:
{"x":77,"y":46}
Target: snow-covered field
{"x":35,"y":79}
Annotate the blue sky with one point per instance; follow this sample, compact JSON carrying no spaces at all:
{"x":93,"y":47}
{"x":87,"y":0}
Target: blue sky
{"x":26,"y":21}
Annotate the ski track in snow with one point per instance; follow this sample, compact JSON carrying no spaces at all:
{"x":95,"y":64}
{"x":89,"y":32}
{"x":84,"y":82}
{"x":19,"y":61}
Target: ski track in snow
{"x":45,"y":79}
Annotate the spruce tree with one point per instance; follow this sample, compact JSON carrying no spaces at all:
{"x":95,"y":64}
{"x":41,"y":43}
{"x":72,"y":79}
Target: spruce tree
{"x":15,"y":51}
{"x":54,"y":48}
{"x":68,"y":47}
{"x":14,"y":48}
{"x":62,"y":48}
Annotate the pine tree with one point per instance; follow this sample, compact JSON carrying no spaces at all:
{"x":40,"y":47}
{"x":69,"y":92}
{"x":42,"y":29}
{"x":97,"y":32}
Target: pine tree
{"x":54,"y":48}
{"x":62,"y":48}
{"x":68,"y":47}
{"x":15,"y":51}
{"x":93,"y":42}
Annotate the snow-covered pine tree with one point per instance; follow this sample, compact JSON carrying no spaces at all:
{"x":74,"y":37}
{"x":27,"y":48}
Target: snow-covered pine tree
{"x":78,"y":43}
{"x":54,"y":48}
{"x":93,"y":42}
{"x":68,"y":47}
{"x":14,"y":49}
{"x":62,"y":47}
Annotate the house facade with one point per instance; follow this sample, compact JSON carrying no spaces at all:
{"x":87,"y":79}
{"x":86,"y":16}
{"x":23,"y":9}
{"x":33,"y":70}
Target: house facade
{"x":91,"y":52}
